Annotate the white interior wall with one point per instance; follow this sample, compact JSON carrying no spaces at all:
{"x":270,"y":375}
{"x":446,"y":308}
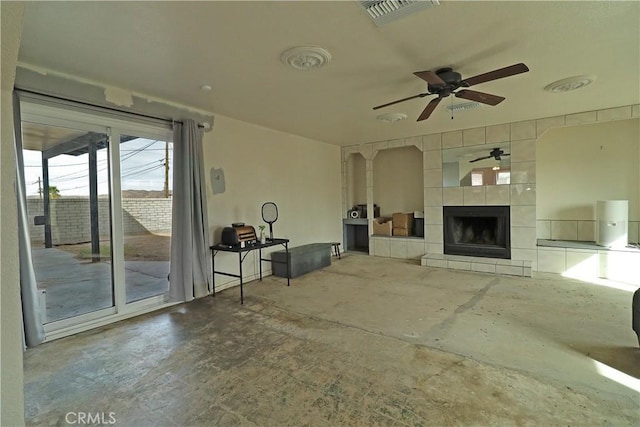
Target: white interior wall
{"x":302,"y":176}
{"x":11,"y":375}
{"x":578,"y":165}
{"x":398,"y":183}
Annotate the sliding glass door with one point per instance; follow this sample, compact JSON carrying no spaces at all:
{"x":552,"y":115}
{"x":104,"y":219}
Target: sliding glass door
{"x":99,"y":206}
{"x":68,"y":199}
{"x":146,"y":211}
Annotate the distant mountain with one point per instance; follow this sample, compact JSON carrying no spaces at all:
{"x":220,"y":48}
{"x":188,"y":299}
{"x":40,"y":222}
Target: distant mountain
{"x":143,"y":194}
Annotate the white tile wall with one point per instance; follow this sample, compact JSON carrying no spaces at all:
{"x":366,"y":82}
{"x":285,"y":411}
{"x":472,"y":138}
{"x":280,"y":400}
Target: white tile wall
{"x":551,"y":122}
{"x":440,"y":263}
{"x":579,"y":118}
{"x":459,"y":265}
{"x":564,"y":230}
{"x":523,"y":130}
{"x":484,"y":268}
{"x":395,"y":143}
{"x":432,"y":142}
{"x":523,"y":150}
{"x":587,"y":231}
{"x":433,"y":215}
{"x":474,"y":196}
{"x":528,"y":255}
{"x":523,"y":216}
{"x":434,"y":248}
{"x":498,"y":194}
{"x":582,"y":263}
{"x":432,"y":160}
{"x":382,"y":247}
{"x":366,"y":150}
{"x":452,"y":139}
{"x":552,"y":260}
{"x":433,"y":178}
{"x":523,"y":172}
{"x":415,"y":248}
{"x":498,"y":133}
{"x":416,"y":141}
{"x":523,"y":194}
{"x":619,"y":266}
{"x":474,"y":136}
{"x":433,"y":196}
{"x":543,"y":228}
{"x":510,"y":270}
{"x":634,"y":232}
{"x":398,"y":248}
{"x":523,"y":237}
{"x":433,"y":233}
{"x":618,"y":113}
{"x":453,"y":196}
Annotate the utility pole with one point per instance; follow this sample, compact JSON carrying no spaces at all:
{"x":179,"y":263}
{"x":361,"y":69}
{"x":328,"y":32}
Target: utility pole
{"x":39,"y":188}
{"x":166,"y":169}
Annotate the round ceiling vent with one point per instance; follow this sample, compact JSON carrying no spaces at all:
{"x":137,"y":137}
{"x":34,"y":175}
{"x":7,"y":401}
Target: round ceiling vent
{"x":391,"y":117}
{"x":306,"y":57}
{"x":569,"y":84}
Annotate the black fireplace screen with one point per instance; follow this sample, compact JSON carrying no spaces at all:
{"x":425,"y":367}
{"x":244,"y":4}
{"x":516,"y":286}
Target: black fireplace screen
{"x":481,"y":231}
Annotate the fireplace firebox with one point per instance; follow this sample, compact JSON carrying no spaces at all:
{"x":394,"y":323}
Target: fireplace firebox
{"x":481,"y":231}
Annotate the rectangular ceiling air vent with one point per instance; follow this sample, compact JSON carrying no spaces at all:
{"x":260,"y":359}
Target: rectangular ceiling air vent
{"x":384,"y":11}
{"x":463,"y":106}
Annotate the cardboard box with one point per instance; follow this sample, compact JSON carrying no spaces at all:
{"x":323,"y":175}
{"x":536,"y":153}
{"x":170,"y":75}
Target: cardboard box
{"x":403,"y":220}
{"x":400,"y":231}
{"x":383,"y":226}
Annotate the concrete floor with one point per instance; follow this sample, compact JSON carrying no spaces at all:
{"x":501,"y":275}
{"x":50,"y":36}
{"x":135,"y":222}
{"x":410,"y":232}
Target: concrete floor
{"x":74,"y":287}
{"x":367,"y":341}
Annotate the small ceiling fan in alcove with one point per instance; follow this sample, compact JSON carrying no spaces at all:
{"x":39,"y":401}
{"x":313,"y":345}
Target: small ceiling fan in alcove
{"x":444,"y":82}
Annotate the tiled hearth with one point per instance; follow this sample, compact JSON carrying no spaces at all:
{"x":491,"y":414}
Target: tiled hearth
{"x":519,"y":195}
{"x":511,"y":267}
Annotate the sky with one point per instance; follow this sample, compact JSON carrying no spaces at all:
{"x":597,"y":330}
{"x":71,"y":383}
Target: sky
{"x":141,"y":168}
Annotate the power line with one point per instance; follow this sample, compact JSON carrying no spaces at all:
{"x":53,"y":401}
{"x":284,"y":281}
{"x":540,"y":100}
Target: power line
{"x":143,"y":171}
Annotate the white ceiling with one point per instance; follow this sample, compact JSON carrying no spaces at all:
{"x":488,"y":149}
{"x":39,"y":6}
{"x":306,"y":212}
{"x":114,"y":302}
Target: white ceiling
{"x":169,"y":49}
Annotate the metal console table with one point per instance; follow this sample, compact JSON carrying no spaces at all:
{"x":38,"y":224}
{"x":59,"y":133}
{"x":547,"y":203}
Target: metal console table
{"x":242,"y":254}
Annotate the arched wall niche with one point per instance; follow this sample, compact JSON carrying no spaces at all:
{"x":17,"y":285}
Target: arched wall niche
{"x":398,"y":184}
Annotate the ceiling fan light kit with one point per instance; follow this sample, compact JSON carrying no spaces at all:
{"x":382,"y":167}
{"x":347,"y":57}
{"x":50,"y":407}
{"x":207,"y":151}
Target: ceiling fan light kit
{"x":445,"y":82}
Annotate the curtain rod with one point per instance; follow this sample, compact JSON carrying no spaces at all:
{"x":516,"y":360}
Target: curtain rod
{"x":88,"y":104}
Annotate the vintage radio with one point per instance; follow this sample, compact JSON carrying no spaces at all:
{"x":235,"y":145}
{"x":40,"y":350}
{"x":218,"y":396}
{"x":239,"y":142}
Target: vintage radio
{"x":234,"y":236}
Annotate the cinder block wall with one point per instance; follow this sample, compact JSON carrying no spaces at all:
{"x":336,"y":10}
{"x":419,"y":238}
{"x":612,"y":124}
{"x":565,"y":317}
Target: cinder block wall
{"x":71,"y":222}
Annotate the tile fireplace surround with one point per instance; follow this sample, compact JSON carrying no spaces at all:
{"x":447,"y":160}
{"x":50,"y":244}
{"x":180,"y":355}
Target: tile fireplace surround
{"x":520,"y":195}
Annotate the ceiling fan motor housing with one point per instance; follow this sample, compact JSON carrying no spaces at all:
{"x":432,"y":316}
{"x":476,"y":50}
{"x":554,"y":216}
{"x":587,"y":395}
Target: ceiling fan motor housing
{"x":452,"y":81}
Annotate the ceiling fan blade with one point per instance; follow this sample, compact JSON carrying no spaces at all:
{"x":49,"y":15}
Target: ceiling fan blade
{"x":485,"y":98}
{"x":480,"y":158}
{"x":430,"y":77}
{"x":496,"y":74}
{"x":422,"y":95}
{"x":429,"y":109}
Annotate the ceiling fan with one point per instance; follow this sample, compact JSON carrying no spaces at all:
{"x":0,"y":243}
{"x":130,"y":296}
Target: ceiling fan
{"x":445,"y":81}
{"x":496,"y":153}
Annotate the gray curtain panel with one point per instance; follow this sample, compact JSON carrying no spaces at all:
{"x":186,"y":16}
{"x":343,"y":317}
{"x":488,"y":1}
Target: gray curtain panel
{"x":190,"y":262}
{"x":33,"y":329}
